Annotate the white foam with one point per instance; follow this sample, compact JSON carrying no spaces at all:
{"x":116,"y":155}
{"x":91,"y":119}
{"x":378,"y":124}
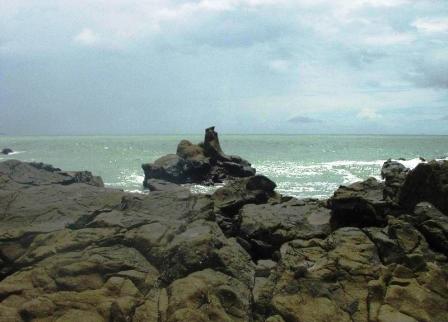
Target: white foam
{"x":16,"y":152}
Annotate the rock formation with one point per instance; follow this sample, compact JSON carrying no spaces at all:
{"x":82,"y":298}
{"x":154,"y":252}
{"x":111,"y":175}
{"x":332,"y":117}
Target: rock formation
{"x":204,"y":163}
{"x":72,"y":250}
{"x":7,"y":151}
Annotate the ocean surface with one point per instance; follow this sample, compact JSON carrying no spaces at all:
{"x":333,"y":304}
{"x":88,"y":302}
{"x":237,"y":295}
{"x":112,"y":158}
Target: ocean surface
{"x":301,"y":165}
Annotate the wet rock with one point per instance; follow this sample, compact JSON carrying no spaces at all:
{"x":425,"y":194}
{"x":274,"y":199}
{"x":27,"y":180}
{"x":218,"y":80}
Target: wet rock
{"x":338,"y":269}
{"x":416,"y":297}
{"x":162,"y":185}
{"x":427,"y":182}
{"x":204,"y":163}
{"x":360,"y":204}
{"x":7,"y":151}
{"x":433,"y":225}
{"x":71,"y":250}
{"x":394,"y":173}
{"x":271,"y":225}
{"x":208,"y":296}
{"x":236,"y":193}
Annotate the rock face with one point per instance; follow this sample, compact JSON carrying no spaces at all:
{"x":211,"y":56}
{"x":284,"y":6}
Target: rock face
{"x":427,"y":182}
{"x":7,"y":151}
{"x":394,"y":175}
{"x":72,"y":250}
{"x":204,"y":163}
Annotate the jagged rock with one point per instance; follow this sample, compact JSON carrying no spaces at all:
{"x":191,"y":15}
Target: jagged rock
{"x":162,"y":185}
{"x":235,"y":194}
{"x":268,"y":226}
{"x":360,"y":204}
{"x":400,"y":295}
{"x":7,"y":151}
{"x":44,"y":174}
{"x":334,"y":286}
{"x":433,"y":225}
{"x":394,"y":173}
{"x":208,"y":296}
{"x":427,"y":182}
{"x":204,"y":163}
{"x":402,"y":243}
{"x":71,"y":250}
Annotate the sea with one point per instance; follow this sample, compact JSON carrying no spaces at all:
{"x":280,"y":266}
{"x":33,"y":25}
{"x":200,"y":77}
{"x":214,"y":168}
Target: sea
{"x":301,"y":165}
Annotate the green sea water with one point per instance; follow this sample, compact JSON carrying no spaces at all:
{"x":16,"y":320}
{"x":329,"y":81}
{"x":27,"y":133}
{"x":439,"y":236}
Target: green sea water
{"x":301,"y":165}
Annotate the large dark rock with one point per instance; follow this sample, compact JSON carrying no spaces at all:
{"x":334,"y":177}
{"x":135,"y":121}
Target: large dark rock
{"x":427,"y":182}
{"x":236,"y":193}
{"x":433,"y":225}
{"x":71,"y":250}
{"x":394,"y":174}
{"x":360,"y":204}
{"x":162,"y":185}
{"x":7,"y":151}
{"x":204,"y":163}
{"x":267,"y":226}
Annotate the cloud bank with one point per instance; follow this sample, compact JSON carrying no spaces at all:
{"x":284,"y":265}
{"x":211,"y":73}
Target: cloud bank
{"x":166,"y":66}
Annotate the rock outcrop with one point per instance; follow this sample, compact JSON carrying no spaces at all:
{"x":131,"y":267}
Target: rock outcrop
{"x":72,"y":250}
{"x":204,"y":163}
{"x":427,"y":182}
{"x":6,"y":151}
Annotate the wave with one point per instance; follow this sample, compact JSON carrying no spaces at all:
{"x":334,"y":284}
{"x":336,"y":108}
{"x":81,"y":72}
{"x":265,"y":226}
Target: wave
{"x":16,"y":152}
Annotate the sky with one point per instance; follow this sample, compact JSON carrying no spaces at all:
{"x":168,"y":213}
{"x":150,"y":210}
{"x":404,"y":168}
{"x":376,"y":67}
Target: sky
{"x":245,"y":66}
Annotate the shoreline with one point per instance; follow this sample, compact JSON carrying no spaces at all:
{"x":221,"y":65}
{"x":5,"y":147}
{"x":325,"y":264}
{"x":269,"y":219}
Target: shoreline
{"x":71,"y":249}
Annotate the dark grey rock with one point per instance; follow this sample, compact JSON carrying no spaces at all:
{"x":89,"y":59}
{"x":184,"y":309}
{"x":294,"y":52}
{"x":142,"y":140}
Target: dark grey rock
{"x":427,"y":182}
{"x":204,"y":163}
{"x":7,"y":151}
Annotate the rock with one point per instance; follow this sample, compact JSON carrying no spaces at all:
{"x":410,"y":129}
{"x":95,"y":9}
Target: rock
{"x":360,"y":204}
{"x":402,"y":243}
{"x":72,"y":250}
{"x":421,"y":297}
{"x":235,"y":194}
{"x":167,"y":168}
{"x":433,"y":225}
{"x":7,"y":151}
{"x":394,"y":173}
{"x":427,"y":182}
{"x":208,"y":296}
{"x":204,"y":163}
{"x":162,"y":185}
{"x":335,"y":284}
{"x":272,"y":225}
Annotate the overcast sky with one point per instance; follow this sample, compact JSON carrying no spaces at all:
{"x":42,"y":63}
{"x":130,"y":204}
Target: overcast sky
{"x":246,"y":66}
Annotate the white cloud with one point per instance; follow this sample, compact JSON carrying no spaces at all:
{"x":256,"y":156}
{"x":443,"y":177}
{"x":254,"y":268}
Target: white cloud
{"x":389,"y":39}
{"x":86,"y":37}
{"x":431,"y":25}
{"x":279,"y":65}
{"x":368,"y":113}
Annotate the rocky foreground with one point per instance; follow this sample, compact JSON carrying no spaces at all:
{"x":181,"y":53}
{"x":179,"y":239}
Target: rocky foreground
{"x":72,"y":250}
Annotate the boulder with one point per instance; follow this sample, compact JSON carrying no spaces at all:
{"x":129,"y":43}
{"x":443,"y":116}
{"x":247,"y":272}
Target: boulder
{"x":236,"y":193}
{"x":360,"y":204}
{"x":204,"y":163}
{"x":433,"y":225}
{"x":427,"y":182}
{"x":394,"y":174}
{"x":73,"y":250}
{"x":7,"y":151}
{"x":162,"y":185}
{"x":268,"y":226}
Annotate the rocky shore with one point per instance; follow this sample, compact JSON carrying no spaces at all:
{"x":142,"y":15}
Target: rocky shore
{"x":73,"y":250}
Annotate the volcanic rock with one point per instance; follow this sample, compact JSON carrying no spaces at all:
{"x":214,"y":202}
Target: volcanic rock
{"x":204,"y":163}
{"x":427,"y":182}
{"x":7,"y":151}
